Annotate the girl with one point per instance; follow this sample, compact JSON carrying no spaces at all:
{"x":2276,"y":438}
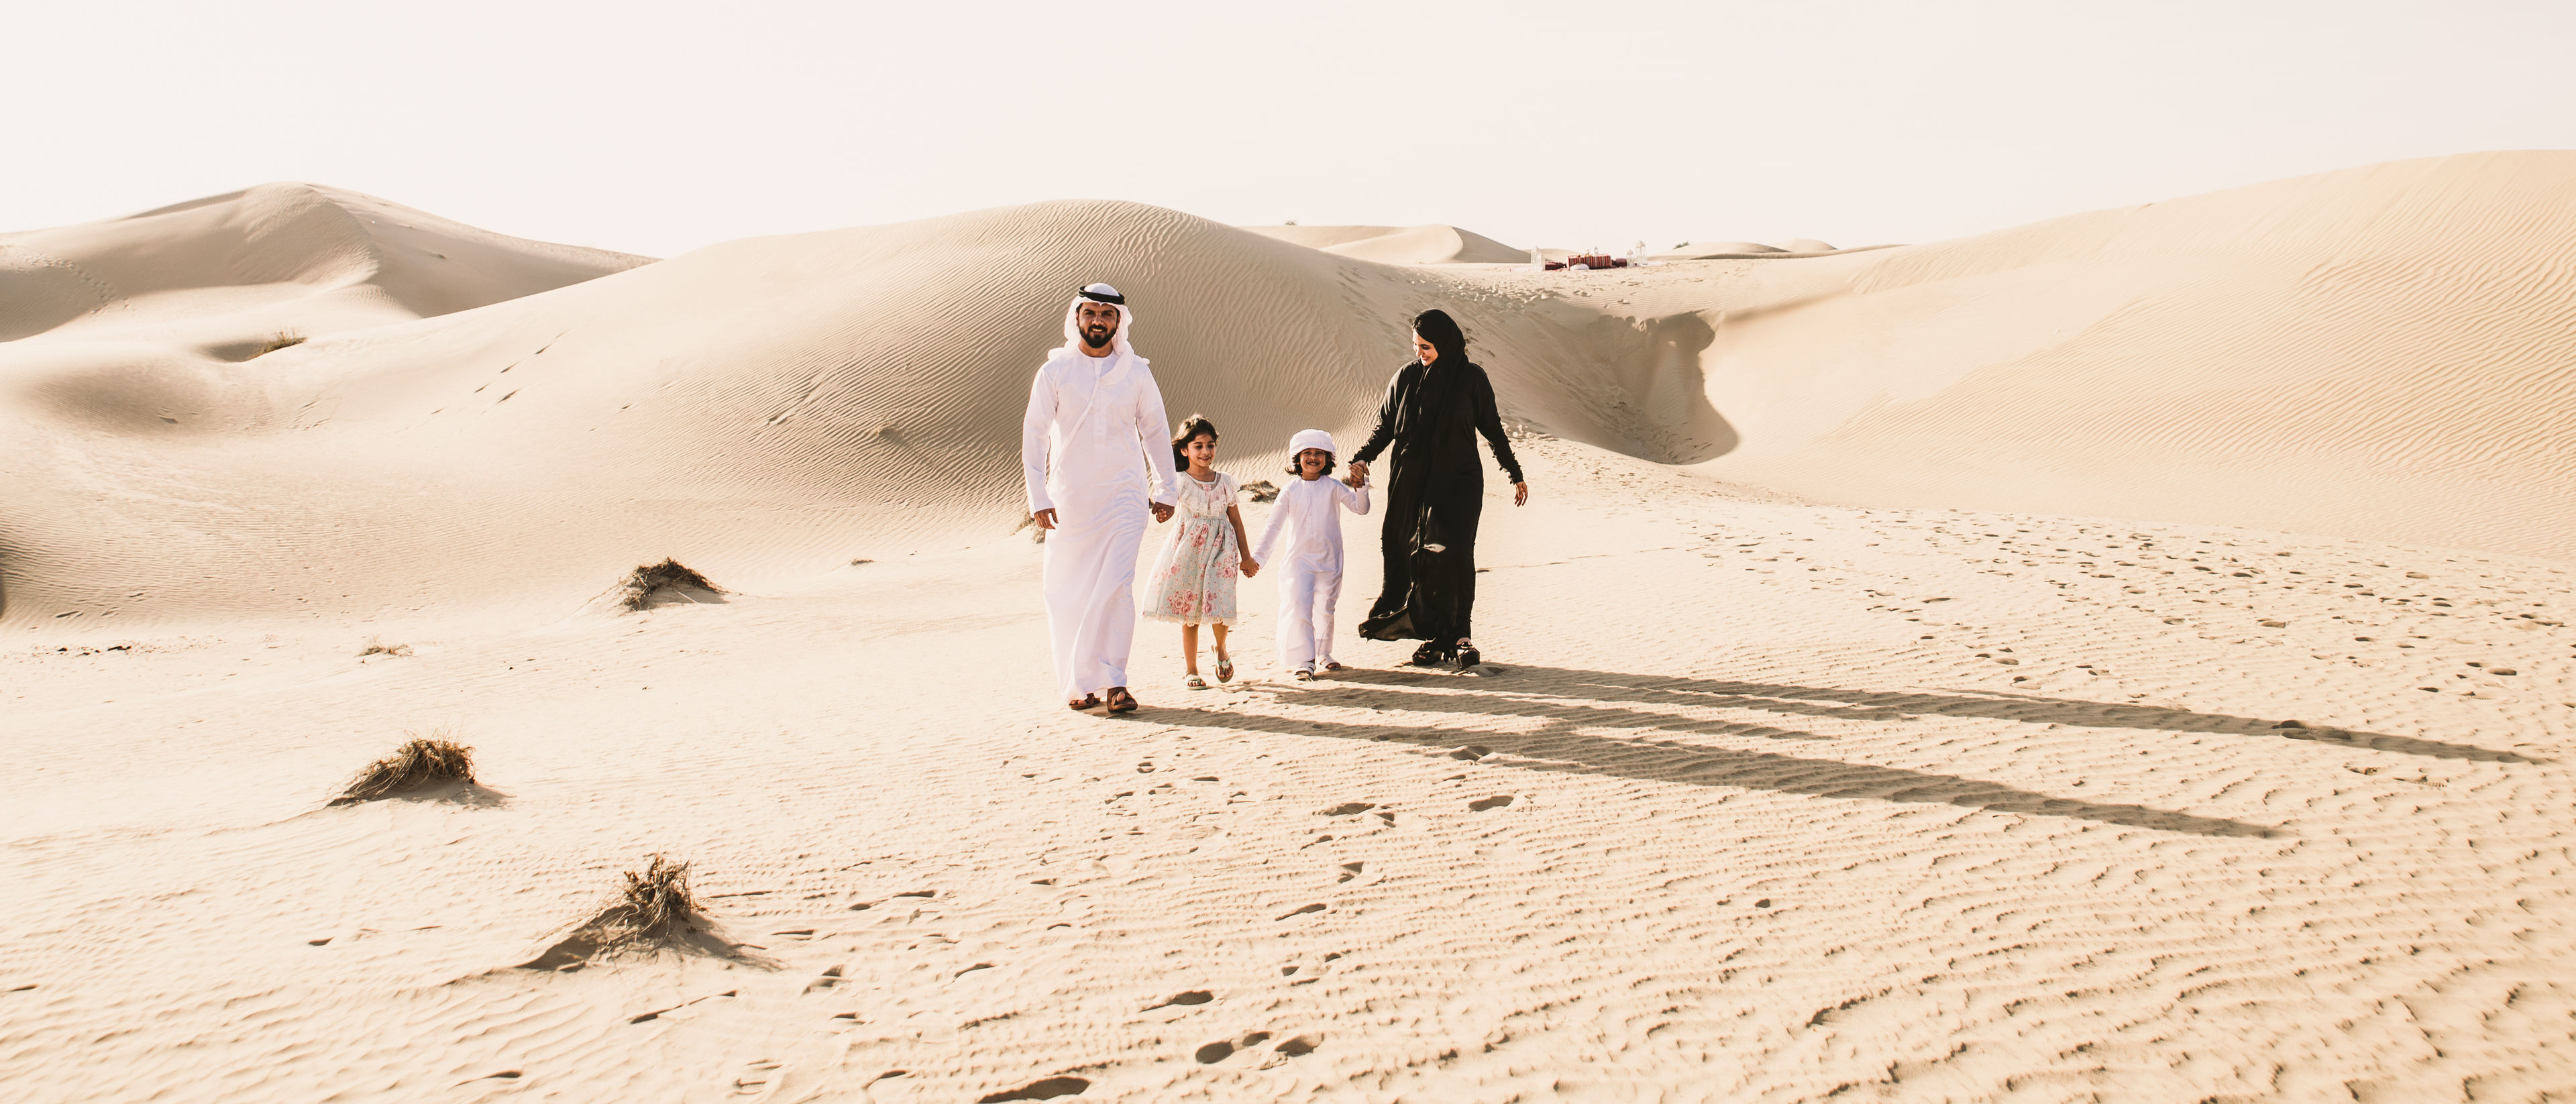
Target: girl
{"x":1193,"y":577}
{"x":1312,"y":583}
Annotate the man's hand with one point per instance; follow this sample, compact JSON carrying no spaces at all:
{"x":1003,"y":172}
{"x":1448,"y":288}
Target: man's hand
{"x":1359,"y":471}
{"x":1162,"y":512}
{"x":1045,"y":518}
{"x":1520,"y":494}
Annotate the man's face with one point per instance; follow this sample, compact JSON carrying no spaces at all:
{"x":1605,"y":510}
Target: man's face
{"x":1096,"y":322}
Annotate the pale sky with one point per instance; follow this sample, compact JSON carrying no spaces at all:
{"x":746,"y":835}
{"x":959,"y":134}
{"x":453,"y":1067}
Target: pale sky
{"x":657,"y":127}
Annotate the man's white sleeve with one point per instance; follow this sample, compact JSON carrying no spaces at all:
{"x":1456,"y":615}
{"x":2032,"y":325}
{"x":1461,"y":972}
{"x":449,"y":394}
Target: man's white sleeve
{"x":1033,"y":441}
{"x":1151,"y":425}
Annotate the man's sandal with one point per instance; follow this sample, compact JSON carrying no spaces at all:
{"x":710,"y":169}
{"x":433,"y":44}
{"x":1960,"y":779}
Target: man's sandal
{"x":1335,"y":665}
{"x":1302,"y":675}
{"x":1195,"y":683}
{"x":1084,"y":704}
{"x":1120,"y":701}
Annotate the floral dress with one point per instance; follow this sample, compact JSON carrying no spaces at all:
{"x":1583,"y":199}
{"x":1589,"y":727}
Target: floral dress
{"x":1193,"y":577}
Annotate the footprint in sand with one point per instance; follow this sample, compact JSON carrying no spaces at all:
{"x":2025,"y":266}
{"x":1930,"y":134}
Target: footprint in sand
{"x":1348,"y":808}
{"x":1471,"y":752}
{"x":1350,"y":870}
{"x":1047,"y":1089}
{"x":1302,"y":911}
{"x":1193,"y":997}
{"x":1222,"y":1049}
{"x":1495,"y":802}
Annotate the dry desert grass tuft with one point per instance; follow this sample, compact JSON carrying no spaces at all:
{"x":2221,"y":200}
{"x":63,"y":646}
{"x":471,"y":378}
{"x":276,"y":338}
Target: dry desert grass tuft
{"x":378,"y":647}
{"x":654,"y":910}
{"x":279,"y":340}
{"x":430,"y":761}
{"x":644,"y":582}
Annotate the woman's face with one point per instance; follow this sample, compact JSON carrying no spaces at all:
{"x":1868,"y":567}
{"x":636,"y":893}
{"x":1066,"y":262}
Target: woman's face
{"x":1201,"y":450}
{"x":1312,"y":461}
{"x":1423,"y":351}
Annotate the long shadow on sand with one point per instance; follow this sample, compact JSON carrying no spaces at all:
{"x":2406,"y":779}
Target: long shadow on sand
{"x":1559,"y":748}
{"x":1871,"y":705}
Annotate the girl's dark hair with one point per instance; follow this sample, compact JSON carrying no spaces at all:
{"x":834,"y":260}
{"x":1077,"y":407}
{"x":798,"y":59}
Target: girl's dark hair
{"x":1191,"y":427}
{"x":1293,"y":469}
{"x":1442,"y":332}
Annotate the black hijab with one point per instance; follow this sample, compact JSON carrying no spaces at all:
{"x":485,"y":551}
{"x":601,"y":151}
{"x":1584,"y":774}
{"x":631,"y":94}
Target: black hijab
{"x":1435,"y":409}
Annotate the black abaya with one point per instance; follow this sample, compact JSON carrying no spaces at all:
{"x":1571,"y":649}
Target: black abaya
{"x":1435,"y":495}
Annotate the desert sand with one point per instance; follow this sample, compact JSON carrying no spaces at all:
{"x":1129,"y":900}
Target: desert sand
{"x":2118,"y":658}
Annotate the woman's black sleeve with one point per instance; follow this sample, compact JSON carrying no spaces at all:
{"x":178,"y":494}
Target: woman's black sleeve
{"x":1385,"y":431}
{"x":1489,"y":421}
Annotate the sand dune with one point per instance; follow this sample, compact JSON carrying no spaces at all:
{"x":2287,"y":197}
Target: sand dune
{"x":2386,"y":352}
{"x":1832,"y":744}
{"x":275,"y":256}
{"x":767,"y":408}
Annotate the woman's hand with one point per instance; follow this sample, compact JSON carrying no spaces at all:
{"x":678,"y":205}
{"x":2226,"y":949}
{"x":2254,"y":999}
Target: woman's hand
{"x":1520,"y":493}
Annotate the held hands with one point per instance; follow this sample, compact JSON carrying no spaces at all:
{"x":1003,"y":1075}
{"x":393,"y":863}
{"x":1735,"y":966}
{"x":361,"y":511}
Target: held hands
{"x":1045,"y":518}
{"x":1520,"y":493}
{"x":1162,"y":512}
{"x":1359,"y":472}
{"x":1249,"y":567}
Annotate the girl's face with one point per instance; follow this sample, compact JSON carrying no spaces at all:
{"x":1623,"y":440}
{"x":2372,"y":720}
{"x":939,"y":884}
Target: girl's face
{"x":1424,"y":351}
{"x":1311,"y":462}
{"x":1201,"y":450}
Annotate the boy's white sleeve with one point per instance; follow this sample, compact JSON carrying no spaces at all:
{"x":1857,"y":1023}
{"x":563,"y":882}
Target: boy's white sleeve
{"x":1356,"y":499}
{"x":1270,"y":530}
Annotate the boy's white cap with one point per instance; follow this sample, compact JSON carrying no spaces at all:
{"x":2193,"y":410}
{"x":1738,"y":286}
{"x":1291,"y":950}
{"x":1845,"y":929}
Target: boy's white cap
{"x":1311,"y":438}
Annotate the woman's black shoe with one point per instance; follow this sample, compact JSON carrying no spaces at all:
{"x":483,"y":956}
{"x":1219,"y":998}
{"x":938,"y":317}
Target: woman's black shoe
{"x":1430,"y":655}
{"x":1468,"y":656}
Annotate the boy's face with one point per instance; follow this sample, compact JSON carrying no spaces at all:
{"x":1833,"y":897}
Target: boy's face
{"x":1312,"y":461}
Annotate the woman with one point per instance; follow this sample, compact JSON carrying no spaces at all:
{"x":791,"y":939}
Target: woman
{"x":1434,"y":409}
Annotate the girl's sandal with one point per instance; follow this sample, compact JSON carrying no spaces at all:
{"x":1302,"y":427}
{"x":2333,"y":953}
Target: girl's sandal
{"x":1120,"y":701}
{"x":1224,"y":669}
{"x":1195,"y":683}
{"x":1084,"y":704}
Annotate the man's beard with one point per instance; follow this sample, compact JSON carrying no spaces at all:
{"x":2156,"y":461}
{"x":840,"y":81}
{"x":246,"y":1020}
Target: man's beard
{"x":1098,"y":337}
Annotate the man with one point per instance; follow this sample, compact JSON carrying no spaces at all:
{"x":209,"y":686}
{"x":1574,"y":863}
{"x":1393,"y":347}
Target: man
{"x":1092,"y":440}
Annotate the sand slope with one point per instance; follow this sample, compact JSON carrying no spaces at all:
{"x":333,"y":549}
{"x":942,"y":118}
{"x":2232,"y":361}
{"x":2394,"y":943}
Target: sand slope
{"x":1404,"y":245}
{"x":1806,"y":803}
{"x":2387,"y":351}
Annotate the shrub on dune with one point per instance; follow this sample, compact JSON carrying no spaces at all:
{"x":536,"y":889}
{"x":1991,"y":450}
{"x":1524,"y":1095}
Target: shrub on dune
{"x":654,"y":910}
{"x":421,"y":761}
{"x":279,"y":340}
{"x":667,"y":577}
